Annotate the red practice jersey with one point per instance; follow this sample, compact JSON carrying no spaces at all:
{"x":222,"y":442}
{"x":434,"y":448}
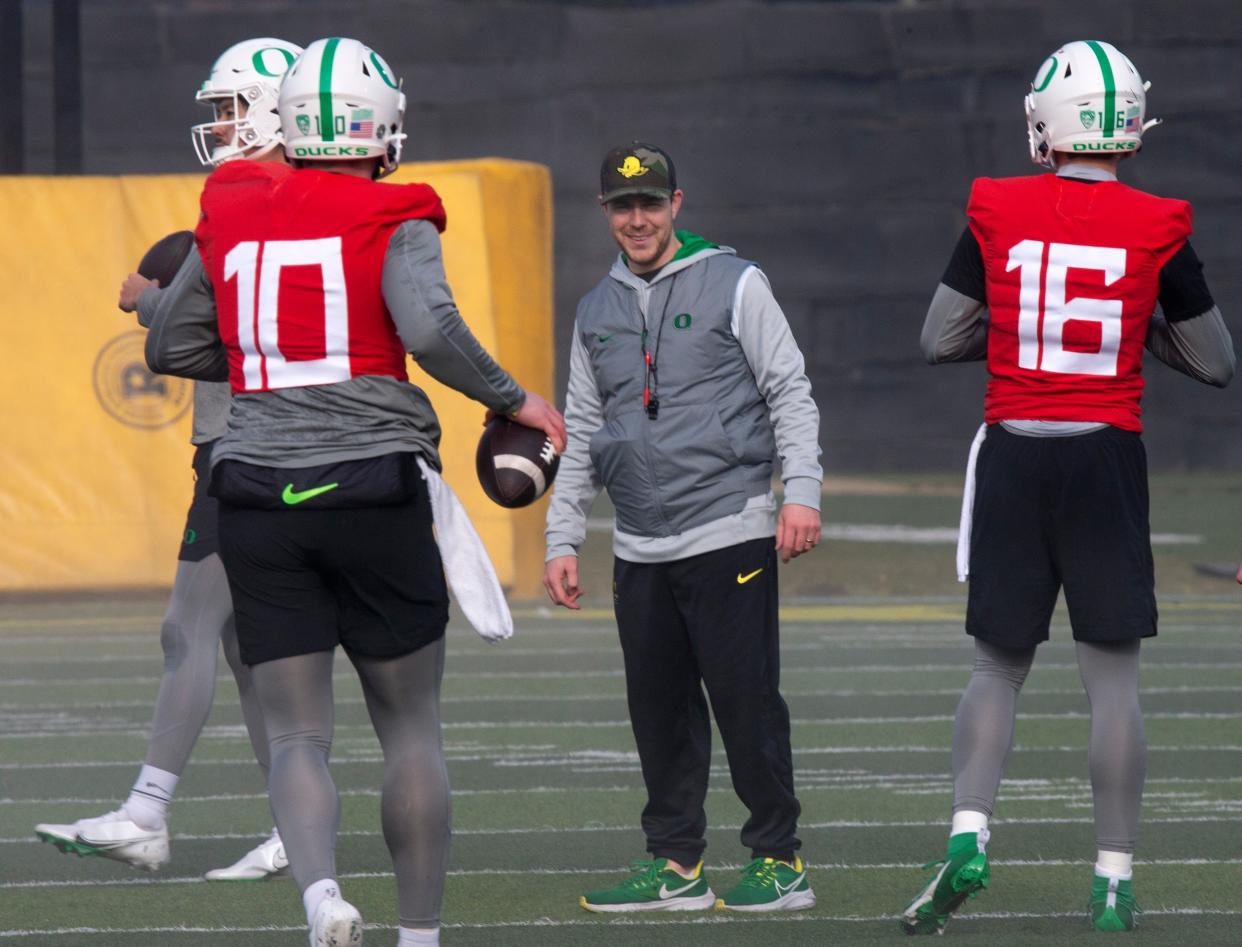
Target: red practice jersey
{"x":296,"y":259}
{"x":1072,"y":273}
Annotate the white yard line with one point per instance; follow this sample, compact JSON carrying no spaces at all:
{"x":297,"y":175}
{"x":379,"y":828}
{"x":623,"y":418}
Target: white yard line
{"x":867,"y":824}
{"x":78,"y":728}
{"x":371,"y":759}
{"x":1027,"y":691}
{"x":143,"y":881}
{"x":464,"y":674}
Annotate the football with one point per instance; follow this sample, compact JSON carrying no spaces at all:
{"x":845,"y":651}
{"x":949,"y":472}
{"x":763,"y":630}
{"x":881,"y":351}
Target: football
{"x":165,"y":257}
{"x":516,"y":464}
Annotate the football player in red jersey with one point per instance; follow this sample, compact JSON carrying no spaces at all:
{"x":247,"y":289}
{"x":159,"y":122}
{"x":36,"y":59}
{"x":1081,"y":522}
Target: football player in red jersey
{"x":242,"y":90}
{"x":1054,"y":282}
{"x":314,"y":283}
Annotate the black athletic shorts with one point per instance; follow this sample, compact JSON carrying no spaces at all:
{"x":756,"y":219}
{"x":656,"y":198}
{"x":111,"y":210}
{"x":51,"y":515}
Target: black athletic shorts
{"x":202,"y":536}
{"x":1061,"y":512}
{"x":306,"y":579}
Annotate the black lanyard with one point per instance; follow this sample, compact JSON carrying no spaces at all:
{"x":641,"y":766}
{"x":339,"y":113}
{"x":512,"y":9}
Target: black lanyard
{"x":651,"y":404}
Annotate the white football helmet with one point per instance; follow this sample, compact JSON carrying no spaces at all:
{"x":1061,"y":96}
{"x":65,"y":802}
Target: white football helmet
{"x":1087,"y":98}
{"x":340,"y":102}
{"x":243,"y":86}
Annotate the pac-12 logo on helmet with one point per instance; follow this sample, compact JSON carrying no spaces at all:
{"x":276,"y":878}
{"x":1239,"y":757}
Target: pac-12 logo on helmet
{"x":242,"y":89}
{"x":1086,"y":98}
{"x":360,"y":115}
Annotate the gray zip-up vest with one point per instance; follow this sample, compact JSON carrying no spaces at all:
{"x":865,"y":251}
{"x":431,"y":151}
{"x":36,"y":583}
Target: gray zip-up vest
{"x":711,"y":446}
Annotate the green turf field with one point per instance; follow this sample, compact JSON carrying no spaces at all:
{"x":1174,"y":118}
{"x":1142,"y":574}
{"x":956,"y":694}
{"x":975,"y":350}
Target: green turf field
{"x":547,"y":789}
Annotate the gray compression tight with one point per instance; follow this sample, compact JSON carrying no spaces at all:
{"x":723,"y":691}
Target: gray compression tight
{"x":403,"y":700}
{"x":984,"y":725}
{"x":198,"y":620}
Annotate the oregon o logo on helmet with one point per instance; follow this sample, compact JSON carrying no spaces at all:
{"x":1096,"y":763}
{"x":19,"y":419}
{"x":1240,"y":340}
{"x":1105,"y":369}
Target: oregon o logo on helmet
{"x":382,"y":68}
{"x":261,"y":60}
{"x":1105,"y":145}
{"x":1040,"y":84}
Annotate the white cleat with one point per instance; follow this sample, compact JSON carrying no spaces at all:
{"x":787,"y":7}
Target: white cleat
{"x":263,"y":861}
{"x":337,"y":924}
{"x":112,"y":835}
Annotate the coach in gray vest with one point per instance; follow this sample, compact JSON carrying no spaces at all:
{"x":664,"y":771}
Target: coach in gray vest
{"x":684,"y":384}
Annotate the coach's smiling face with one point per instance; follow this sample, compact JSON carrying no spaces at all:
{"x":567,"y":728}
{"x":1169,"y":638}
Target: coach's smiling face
{"x":642,"y":225}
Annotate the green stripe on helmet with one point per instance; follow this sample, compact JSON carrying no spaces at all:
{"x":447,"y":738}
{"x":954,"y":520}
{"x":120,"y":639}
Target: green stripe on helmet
{"x":326,"y":126}
{"x":1110,"y":89}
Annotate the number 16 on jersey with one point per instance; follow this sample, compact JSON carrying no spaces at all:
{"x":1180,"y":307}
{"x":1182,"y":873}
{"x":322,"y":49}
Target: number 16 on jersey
{"x":1044,"y":312}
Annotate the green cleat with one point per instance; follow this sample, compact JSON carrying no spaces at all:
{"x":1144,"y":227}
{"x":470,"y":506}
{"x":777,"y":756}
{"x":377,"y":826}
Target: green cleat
{"x":770,"y":885}
{"x":653,"y":887}
{"x":1112,"y":906}
{"x":962,"y":875}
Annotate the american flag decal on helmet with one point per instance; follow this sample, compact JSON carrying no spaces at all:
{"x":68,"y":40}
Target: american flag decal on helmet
{"x":362,"y":123}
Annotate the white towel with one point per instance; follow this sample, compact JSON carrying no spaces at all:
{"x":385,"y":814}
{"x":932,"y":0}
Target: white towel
{"x":469,"y":570}
{"x":968,"y":507}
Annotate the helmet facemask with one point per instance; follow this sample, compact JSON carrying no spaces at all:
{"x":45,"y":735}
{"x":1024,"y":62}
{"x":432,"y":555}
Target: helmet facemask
{"x":255,"y":125}
{"x":246,"y":78}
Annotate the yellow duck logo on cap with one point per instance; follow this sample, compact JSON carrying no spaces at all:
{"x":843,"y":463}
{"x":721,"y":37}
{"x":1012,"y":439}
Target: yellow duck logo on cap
{"x":631,"y":167}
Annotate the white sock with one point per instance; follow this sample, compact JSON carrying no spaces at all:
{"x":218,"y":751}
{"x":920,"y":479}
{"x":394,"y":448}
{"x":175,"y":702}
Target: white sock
{"x":1114,"y":864}
{"x":147,"y":805}
{"x":968,"y":820}
{"x":409,"y":937}
{"x":314,"y":895}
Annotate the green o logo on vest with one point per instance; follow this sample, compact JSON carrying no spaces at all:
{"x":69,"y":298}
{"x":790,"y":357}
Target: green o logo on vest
{"x":1047,"y":70}
{"x":682,"y":320}
{"x":190,"y":537}
{"x":259,"y":60}
{"x":382,"y":68}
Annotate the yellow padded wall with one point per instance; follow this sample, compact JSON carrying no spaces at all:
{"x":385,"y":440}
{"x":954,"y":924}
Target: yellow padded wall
{"x":95,"y":450}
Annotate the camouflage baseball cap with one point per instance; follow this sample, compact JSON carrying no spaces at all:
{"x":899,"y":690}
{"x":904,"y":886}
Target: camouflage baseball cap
{"x":636,"y":168}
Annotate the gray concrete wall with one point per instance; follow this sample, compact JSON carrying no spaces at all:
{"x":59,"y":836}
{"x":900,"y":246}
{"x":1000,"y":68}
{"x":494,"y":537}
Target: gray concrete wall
{"x":832,"y":142}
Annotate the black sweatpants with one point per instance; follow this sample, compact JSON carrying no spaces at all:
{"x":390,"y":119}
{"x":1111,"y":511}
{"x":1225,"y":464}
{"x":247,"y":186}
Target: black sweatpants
{"x":707,"y":621}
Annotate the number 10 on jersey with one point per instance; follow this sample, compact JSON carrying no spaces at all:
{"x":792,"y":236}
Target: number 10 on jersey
{"x":264,"y":364}
{"x":1042,"y":269}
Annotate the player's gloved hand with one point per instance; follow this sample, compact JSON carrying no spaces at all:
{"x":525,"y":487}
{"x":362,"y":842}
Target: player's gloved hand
{"x":560,"y":578}
{"x":133,"y":287}
{"x":537,"y":413}
{"x":797,"y":530}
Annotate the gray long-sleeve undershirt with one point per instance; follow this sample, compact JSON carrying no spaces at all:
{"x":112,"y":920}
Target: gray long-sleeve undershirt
{"x":365,"y":416}
{"x":956,"y":330}
{"x":211,"y":398}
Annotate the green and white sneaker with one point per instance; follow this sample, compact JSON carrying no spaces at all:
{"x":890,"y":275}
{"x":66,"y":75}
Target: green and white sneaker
{"x":770,"y":885}
{"x":1112,"y":906}
{"x":962,"y":874}
{"x":653,"y":887}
